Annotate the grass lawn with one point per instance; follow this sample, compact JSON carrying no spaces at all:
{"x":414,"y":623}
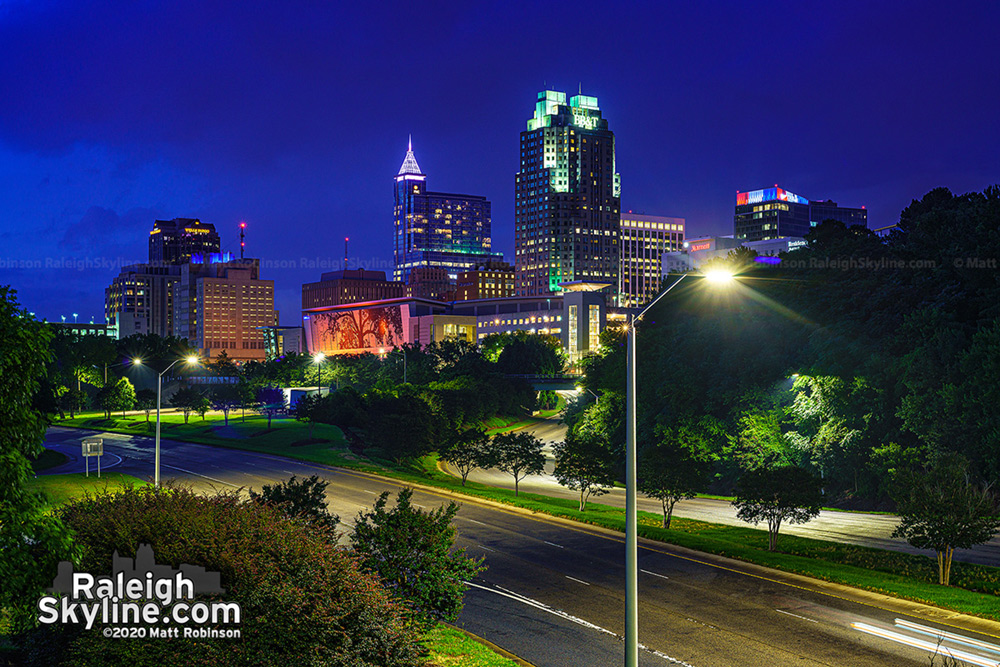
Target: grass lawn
{"x":60,"y":489}
{"x":286,"y":437}
{"x":451,"y":647}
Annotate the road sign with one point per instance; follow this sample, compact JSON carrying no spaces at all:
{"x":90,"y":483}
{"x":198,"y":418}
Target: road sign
{"x":93,"y":447}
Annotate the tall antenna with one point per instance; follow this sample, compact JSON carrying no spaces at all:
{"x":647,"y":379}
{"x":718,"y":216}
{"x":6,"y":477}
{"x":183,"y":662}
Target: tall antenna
{"x":243,"y":242}
{"x":346,"y":239}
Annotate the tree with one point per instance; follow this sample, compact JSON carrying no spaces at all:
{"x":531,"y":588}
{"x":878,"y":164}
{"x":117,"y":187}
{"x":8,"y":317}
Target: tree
{"x":270,"y":402}
{"x":116,"y":396}
{"x":411,"y":551}
{"x":584,"y":464}
{"x":145,"y":400}
{"x":32,"y":540}
{"x":776,"y":495}
{"x":303,"y":500}
{"x":679,"y":464}
{"x":523,"y":353}
{"x":225,"y":398}
{"x":467,"y":451}
{"x":186,"y":399}
{"x":940,"y":508}
{"x":202,"y":405}
{"x":74,"y":400}
{"x":517,"y":453}
{"x":308,"y":410}
{"x":402,"y":426}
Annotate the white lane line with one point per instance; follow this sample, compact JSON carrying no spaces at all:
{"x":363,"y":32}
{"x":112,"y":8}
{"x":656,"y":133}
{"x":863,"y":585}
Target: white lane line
{"x":661,"y":576}
{"x":191,"y":472}
{"x":554,"y":544}
{"x":930,"y":647}
{"x":499,"y":590}
{"x":579,"y":581}
{"x":474,"y":521}
{"x":948,"y":636}
{"x":371,"y":492}
{"x":486,"y":548}
{"x":788,"y":613}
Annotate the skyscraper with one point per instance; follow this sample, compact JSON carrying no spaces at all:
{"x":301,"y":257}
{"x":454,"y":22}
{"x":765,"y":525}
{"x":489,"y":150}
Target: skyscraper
{"x":774,"y":213}
{"x":644,"y":240}
{"x":567,"y":198}
{"x":177,"y":241}
{"x":437,"y":229}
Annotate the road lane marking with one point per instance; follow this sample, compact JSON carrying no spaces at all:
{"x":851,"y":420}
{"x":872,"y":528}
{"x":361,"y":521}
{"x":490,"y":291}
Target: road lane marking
{"x":661,"y":576}
{"x":517,"y":597}
{"x":474,"y":521}
{"x":191,"y":472}
{"x":371,"y":492}
{"x":486,"y":548}
{"x":554,"y":544}
{"x":930,"y":647}
{"x":788,"y":613}
{"x":579,"y":581}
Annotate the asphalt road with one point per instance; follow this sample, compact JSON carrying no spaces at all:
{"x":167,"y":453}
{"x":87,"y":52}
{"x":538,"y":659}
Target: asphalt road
{"x":553,"y":592}
{"x":870,"y":530}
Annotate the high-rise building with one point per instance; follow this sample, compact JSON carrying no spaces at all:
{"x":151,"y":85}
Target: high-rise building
{"x":430,"y":282}
{"x":773,"y":213}
{"x":489,"y":281}
{"x":644,"y":240}
{"x":140,"y":300}
{"x":350,"y":286}
{"x":221,"y":306}
{"x":437,"y":229}
{"x":179,"y":240}
{"x":567,"y":198}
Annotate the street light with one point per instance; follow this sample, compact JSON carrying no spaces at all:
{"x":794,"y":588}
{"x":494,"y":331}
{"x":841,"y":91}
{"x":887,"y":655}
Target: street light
{"x":135,"y":362}
{"x":190,"y":361}
{"x":318,"y":360}
{"x":397,"y":351}
{"x":717,"y":277}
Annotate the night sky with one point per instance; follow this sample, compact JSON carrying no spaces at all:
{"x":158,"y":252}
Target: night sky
{"x":294,"y":116}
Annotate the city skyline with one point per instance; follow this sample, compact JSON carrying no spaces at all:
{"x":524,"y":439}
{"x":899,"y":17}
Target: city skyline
{"x":109,"y":134}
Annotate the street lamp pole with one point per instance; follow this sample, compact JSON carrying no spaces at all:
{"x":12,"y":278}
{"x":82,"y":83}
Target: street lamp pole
{"x":159,"y":393}
{"x":318,"y":358}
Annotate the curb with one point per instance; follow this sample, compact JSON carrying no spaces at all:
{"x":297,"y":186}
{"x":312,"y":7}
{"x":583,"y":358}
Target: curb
{"x":490,"y":645}
{"x":917,"y":610}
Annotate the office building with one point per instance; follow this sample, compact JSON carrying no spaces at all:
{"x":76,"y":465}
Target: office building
{"x":567,"y":193}
{"x":221,"y":306}
{"x":182,"y":240}
{"x":644,"y":240}
{"x":774,"y":212}
{"x":140,"y":300}
{"x":437,"y":229}
{"x":489,"y":281}
{"x":350,"y":286}
{"x":695,"y":252}
{"x":78,"y":329}
{"x":430,"y":282}
{"x":279,"y":341}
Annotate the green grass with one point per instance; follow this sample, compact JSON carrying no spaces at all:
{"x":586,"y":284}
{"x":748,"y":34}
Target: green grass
{"x":60,"y":489}
{"x":49,"y":458}
{"x":451,"y":647}
{"x":286,"y":437}
{"x":825,"y":509}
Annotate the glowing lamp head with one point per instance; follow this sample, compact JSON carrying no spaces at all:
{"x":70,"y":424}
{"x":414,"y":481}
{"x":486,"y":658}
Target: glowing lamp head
{"x":192,"y":360}
{"x":137,"y":361}
{"x":719,"y":277}
{"x":319,"y":357}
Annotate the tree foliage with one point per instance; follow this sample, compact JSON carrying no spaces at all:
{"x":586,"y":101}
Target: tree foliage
{"x":518,"y":454}
{"x":584,"y":464}
{"x":302,"y":500}
{"x":466,"y":451}
{"x":940,"y":508}
{"x":777,"y":495}
{"x":187,"y":399}
{"x":679,"y":465}
{"x":412,"y":552}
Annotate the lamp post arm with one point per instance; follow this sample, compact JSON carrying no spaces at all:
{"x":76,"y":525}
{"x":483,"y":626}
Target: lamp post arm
{"x":661,"y":295}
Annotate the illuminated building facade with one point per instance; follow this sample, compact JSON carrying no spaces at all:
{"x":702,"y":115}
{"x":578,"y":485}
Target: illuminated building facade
{"x":644,"y":240}
{"x":437,"y":229}
{"x":430,"y":282}
{"x":774,"y":213}
{"x":221,"y":306}
{"x":567,"y":198}
{"x":140,"y":300}
{"x":177,"y":241}
{"x":489,"y":281}
{"x":350,"y":286}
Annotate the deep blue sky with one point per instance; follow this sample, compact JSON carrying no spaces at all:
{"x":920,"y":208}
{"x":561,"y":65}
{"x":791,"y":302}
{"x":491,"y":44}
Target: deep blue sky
{"x":295,"y":116}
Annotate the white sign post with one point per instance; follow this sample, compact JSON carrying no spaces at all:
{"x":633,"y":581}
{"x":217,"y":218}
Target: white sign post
{"x":93,"y":447}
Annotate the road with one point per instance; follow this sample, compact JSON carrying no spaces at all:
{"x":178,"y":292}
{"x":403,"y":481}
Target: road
{"x":553,"y":590}
{"x":870,"y":530}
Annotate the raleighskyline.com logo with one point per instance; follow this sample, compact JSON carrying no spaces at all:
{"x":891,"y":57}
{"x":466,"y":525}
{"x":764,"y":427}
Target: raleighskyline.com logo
{"x":141,"y":599}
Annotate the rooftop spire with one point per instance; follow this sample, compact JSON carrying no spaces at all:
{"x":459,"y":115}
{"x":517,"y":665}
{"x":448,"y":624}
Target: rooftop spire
{"x":410,"y":165}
